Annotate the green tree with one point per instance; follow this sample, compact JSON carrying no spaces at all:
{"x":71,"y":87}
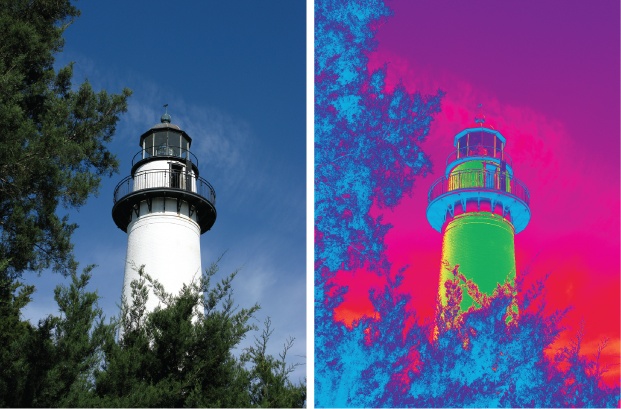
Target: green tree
{"x":13,"y":334}
{"x":270,"y":384}
{"x":176,"y":355}
{"x":45,"y":365}
{"x":181,"y":354}
{"x":53,"y":137}
{"x":52,"y":154}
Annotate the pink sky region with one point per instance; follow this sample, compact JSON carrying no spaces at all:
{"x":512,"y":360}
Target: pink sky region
{"x":547,"y":75}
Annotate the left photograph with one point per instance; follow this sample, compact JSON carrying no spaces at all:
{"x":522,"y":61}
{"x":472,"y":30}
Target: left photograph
{"x":153,"y":204}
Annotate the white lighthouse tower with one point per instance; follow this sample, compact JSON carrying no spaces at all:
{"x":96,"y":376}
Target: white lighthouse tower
{"x":164,"y":207}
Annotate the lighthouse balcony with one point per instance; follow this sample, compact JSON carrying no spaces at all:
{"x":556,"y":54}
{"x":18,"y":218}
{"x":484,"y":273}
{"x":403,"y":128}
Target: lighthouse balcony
{"x":180,"y":186}
{"x":496,"y":189}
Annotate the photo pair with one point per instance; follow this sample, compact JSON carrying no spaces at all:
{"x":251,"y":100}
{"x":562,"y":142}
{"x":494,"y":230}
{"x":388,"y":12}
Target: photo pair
{"x":328,"y":203}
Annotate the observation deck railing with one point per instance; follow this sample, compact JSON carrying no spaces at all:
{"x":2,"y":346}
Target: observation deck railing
{"x":479,"y":179}
{"x":165,"y":150}
{"x":479,"y":151}
{"x":165,"y":179}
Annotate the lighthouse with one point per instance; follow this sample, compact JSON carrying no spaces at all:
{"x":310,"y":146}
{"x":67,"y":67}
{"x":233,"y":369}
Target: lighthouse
{"x":164,"y":207}
{"x":478,"y":205}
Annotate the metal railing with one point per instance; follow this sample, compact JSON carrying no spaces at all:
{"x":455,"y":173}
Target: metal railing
{"x":479,"y":179}
{"x":479,"y":151}
{"x":154,"y":179}
{"x":165,"y":150}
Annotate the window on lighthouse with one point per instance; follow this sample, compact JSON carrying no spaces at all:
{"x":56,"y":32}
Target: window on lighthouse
{"x":184,"y":148}
{"x":478,"y":147}
{"x":174,"y":143}
{"x":161,"y":144}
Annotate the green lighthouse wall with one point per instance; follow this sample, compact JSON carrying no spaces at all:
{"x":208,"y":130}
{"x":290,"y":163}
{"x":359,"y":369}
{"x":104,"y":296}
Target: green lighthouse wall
{"x":482,"y":244}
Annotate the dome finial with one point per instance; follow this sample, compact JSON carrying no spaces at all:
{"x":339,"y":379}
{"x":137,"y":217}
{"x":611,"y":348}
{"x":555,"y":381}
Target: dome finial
{"x":165,"y":118}
{"x":479,"y":118}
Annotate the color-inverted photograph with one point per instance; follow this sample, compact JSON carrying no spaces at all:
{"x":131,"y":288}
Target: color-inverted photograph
{"x":466,"y":204}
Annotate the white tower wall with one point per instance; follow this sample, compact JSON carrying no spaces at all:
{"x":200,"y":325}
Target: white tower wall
{"x":166,"y":243}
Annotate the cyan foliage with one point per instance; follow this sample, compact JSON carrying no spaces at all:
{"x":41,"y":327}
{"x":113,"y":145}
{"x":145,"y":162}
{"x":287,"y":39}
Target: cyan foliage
{"x":366,"y":152}
{"x":471,"y":359}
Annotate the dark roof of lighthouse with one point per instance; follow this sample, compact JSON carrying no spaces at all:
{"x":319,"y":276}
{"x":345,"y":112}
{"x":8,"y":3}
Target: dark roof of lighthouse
{"x":165,"y":126}
{"x":479,"y":129}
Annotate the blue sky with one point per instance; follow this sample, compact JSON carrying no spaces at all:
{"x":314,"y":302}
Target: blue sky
{"x":233,"y":74}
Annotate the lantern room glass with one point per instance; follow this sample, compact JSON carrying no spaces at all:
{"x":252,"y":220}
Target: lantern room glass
{"x":480,"y":144}
{"x":165,"y":143}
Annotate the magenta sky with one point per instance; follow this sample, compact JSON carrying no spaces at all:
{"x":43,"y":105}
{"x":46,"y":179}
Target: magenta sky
{"x":547,"y":74}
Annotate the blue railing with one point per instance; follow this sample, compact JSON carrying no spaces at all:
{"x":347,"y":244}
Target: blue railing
{"x":166,"y":179}
{"x":479,"y":179}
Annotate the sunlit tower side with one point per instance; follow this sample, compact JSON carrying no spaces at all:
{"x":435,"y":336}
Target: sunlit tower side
{"x":164,"y":207}
{"x":478,"y":206}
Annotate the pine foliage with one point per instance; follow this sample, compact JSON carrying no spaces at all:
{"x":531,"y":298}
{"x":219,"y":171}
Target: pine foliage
{"x":181,"y":354}
{"x":53,"y":137}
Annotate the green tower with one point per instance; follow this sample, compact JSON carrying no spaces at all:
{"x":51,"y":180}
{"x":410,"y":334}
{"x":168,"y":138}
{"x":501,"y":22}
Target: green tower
{"x":478,"y":206}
